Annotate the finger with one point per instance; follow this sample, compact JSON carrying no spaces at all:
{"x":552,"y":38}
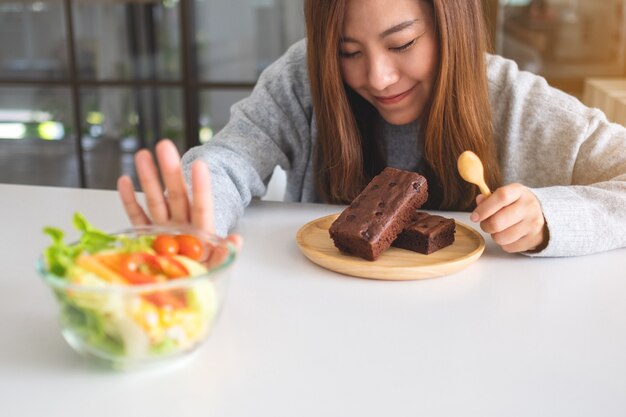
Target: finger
{"x":502,"y":197}
{"x":202,"y":205}
{"x":526,"y":243}
{"x":527,"y":235}
{"x":504,"y":218}
{"x":133,"y":210}
{"x":151,"y":186}
{"x":480,"y":198}
{"x":218,"y":256}
{"x":169,"y":163}
{"x":511,"y":234}
{"x":236,"y":240}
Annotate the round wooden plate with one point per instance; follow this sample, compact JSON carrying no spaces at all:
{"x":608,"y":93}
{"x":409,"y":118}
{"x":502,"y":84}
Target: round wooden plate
{"x":394,"y":264}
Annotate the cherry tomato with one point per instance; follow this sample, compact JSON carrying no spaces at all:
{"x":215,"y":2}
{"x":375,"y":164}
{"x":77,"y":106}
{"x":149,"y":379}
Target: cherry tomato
{"x":165,"y":245}
{"x":189,"y":246}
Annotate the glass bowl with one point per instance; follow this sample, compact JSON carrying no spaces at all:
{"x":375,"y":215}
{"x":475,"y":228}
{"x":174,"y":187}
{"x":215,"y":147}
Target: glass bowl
{"x":128,"y":326}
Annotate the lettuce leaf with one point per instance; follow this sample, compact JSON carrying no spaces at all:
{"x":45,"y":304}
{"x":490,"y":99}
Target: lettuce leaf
{"x":60,"y":256}
{"x":92,"y":240}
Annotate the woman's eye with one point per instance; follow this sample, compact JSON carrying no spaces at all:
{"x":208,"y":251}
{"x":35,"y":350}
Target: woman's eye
{"x":404,"y":47}
{"x":345,"y":54}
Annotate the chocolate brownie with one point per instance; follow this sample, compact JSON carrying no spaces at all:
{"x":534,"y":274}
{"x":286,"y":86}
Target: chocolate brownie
{"x":426,"y":233}
{"x":373,"y":220}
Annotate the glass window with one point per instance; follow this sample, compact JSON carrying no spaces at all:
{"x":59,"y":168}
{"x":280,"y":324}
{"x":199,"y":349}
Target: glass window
{"x":37,"y":145}
{"x":32,"y":40}
{"x":119,"y":121}
{"x":215,"y":110}
{"x":237,"y":39}
{"x":129,"y":74}
{"x":127,"y":39}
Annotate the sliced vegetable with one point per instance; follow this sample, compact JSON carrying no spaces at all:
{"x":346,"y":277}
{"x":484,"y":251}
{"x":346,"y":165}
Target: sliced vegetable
{"x":93,"y":264}
{"x":145,"y":268}
{"x":140,"y":268}
{"x":171,"y":267}
{"x":166,"y":299}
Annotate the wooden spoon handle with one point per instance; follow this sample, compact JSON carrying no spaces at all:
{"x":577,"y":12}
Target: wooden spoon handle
{"x":484,"y":189}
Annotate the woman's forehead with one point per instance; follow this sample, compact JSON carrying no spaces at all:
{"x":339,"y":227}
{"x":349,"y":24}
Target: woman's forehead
{"x":383,"y":17}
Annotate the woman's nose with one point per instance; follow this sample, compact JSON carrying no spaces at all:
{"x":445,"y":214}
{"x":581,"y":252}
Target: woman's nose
{"x":382,"y":73}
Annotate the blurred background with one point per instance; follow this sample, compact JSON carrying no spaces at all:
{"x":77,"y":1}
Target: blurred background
{"x":85,"y":83}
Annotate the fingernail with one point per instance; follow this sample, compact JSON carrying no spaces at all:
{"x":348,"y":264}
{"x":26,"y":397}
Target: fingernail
{"x":474,"y":217}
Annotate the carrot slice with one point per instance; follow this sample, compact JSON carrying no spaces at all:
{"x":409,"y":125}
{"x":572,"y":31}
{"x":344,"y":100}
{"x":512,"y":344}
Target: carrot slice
{"x":92,"y":264}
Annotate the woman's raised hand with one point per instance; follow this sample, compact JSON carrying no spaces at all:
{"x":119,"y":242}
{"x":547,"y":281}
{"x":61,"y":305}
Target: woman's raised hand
{"x":513,"y":217}
{"x":175,"y":207}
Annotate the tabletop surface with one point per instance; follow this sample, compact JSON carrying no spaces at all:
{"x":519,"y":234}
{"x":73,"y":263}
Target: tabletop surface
{"x":508,"y":336}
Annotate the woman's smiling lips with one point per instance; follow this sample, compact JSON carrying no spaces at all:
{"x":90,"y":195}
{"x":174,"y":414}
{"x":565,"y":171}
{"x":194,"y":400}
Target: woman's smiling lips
{"x":393,"y":99}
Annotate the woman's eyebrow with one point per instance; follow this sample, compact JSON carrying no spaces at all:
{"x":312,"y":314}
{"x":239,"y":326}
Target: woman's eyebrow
{"x":394,"y":29}
{"x":398,"y":28}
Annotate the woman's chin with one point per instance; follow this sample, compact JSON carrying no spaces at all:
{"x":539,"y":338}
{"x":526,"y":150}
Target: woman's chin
{"x":400,"y":118}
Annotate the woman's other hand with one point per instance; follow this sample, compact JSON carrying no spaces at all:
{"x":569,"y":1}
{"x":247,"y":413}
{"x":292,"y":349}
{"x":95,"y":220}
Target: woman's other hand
{"x":513,"y":217}
{"x":175,"y":208}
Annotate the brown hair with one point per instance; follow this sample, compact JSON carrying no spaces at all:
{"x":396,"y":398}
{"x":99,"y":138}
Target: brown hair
{"x":458,"y":117}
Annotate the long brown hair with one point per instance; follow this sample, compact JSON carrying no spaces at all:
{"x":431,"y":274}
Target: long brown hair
{"x":458,"y":117}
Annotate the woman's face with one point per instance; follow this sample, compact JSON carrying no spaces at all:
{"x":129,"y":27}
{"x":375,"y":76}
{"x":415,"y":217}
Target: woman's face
{"x":389,"y":55}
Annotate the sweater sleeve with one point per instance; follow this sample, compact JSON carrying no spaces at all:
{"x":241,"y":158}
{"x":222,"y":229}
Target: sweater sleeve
{"x":271,"y":127}
{"x":589,"y":215}
{"x":569,"y":155}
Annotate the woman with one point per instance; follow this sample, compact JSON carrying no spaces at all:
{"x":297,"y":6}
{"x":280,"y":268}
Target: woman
{"x":406,"y":83}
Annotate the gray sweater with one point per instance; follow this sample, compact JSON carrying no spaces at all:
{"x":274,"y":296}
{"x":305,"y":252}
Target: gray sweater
{"x":571,"y":157}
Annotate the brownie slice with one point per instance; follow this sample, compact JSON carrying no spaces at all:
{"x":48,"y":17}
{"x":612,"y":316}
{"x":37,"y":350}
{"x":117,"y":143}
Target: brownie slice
{"x":373,"y":220}
{"x":426,"y":233}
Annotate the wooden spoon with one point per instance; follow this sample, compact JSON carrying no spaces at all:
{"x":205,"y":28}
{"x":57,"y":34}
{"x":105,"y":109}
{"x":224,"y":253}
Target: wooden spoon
{"x":471,"y":170}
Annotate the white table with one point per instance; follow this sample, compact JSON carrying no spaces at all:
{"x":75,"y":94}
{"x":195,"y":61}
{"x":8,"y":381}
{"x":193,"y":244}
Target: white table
{"x":508,"y":336}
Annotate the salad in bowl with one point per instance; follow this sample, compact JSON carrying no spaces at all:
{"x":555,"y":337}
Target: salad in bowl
{"x":140,"y":295}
